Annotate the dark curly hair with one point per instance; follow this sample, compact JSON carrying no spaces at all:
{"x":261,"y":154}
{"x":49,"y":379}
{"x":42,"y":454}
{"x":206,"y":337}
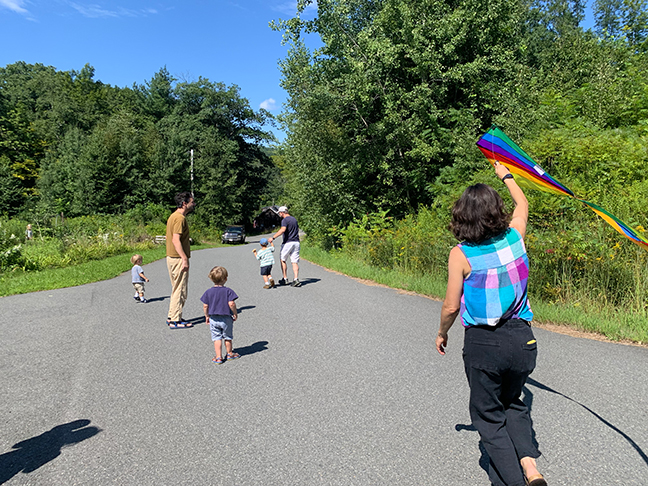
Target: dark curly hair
{"x":479,"y":214}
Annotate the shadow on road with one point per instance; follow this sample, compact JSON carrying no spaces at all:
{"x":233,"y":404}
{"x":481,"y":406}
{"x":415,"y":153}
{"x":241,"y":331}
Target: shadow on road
{"x":33,"y":453}
{"x":245,"y":307}
{"x":634,"y":445}
{"x":253,"y":348}
{"x":157,"y":299}
{"x":304,"y":282}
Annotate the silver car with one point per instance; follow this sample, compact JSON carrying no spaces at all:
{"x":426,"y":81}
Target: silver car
{"x":234,"y":234}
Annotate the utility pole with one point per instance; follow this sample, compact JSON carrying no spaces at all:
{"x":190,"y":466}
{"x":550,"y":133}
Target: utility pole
{"x":192,"y":188}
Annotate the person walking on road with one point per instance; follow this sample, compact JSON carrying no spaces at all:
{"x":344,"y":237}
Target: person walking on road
{"x":178,"y":253}
{"x":138,"y":278}
{"x":266,"y":260}
{"x":289,"y":247}
{"x":487,"y":287}
{"x":220,"y":314}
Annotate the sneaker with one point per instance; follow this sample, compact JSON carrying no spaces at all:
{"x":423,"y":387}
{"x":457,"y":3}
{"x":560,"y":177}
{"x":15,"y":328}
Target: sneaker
{"x":296,"y":283}
{"x":266,"y":286}
{"x":143,"y":300}
{"x":282,"y":281}
{"x":272,"y":283}
{"x":136,"y":298}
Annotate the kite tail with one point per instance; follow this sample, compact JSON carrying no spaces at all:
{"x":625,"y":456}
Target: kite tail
{"x":617,"y":224}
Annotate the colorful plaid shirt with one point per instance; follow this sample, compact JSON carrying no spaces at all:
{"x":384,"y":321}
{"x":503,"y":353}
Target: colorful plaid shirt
{"x":496,"y":287}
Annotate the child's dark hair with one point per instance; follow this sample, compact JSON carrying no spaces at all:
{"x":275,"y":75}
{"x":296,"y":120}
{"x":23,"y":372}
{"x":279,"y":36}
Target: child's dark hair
{"x":479,"y":214}
{"x":218,"y":275}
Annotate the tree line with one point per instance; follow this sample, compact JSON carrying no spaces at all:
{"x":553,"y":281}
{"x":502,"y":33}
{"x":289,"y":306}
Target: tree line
{"x":71,"y":144}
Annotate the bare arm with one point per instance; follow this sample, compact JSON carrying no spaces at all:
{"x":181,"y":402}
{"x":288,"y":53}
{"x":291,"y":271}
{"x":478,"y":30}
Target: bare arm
{"x":178,"y":247}
{"x":278,"y":234}
{"x":206,"y":311}
{"x":232,"y":307}
{"x":521,"y":211}
{"x":143,"y":276}
{"x":458,"y":269}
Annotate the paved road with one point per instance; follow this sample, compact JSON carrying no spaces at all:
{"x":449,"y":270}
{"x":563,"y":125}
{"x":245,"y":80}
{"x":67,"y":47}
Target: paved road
{"x":338,"y":385}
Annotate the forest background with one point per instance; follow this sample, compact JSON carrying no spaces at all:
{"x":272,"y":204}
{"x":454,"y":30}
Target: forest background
{"x":381,"y":123}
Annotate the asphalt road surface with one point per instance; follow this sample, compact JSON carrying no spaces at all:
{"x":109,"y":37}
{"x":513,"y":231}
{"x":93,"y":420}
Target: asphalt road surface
{"x":338,"y":384}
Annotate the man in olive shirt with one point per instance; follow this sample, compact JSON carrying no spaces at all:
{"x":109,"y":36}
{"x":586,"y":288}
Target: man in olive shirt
{"x":178,"y":254}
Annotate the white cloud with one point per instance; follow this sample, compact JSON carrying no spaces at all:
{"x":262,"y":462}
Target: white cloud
{"x":96,"y":11}
{"x":289,"y":7}
{"x":269,"y":104}
{"x":14,"y":5}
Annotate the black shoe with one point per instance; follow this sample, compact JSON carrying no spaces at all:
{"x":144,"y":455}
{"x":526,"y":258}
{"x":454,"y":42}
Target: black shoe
{"x":282,"y":281}
{"x":296,"y":283}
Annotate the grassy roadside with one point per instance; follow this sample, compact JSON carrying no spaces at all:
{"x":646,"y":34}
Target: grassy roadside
{"x":93,"y":271}
{"x":614,"y":324}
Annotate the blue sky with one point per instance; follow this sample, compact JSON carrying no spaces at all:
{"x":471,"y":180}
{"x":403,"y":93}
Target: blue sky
{"x":127,"y":42}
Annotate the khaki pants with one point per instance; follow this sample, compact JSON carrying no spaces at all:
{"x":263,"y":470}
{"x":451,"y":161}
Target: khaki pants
{"x":179,"y":284}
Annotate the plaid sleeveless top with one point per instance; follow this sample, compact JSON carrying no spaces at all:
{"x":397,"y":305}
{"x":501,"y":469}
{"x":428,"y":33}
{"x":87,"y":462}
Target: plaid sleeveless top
{"x":496,"y":287}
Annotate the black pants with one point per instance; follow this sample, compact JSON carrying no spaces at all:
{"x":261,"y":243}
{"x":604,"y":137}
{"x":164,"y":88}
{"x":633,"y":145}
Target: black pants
{"x":498,"y":360}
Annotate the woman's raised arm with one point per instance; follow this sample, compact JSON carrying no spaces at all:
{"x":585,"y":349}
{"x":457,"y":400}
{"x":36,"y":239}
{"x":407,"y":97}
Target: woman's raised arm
{"x":521,"y":211}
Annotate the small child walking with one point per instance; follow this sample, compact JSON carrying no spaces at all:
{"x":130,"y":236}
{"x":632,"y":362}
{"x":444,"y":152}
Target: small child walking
{"x":266,"y":260}
{"x":220,"y":314}
{"x":138,"y":278}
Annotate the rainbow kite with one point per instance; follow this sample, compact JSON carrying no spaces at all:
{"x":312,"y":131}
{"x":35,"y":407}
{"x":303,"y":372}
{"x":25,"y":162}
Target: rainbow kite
{"x":496,"y":146}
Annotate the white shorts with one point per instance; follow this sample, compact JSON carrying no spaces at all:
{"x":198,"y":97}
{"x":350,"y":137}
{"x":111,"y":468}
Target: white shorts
{"x":291,"y":248}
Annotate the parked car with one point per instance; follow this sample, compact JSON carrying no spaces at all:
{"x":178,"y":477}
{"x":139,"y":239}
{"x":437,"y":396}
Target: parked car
{"x":234,"y":234}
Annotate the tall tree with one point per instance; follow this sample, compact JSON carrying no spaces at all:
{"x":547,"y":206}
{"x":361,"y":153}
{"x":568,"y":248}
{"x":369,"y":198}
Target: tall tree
{"x":398,"y":92}
{"x":617,"y":19}
{"x":607,"y":17}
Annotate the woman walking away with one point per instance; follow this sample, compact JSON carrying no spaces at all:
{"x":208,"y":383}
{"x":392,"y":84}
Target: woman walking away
{"x":487,"y":287}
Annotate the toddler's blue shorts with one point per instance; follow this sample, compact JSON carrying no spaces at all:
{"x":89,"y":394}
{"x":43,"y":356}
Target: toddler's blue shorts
{"x":221,"y":327}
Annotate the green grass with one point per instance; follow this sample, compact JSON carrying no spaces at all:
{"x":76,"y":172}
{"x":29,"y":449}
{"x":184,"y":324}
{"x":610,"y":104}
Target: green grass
{"x":20,"y":282}
{"x":431,"y":285}
{"x":614,"y":324}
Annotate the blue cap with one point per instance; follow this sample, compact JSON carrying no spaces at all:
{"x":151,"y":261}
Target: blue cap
{"x":264,"y":241}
